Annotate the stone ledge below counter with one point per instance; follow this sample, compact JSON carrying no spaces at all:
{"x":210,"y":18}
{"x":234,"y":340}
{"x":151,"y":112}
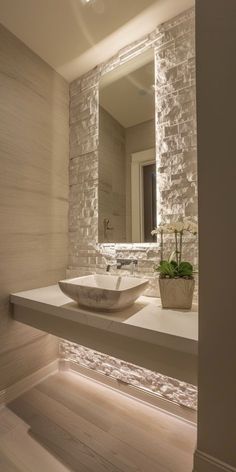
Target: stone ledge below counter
{"x":144,"y":334}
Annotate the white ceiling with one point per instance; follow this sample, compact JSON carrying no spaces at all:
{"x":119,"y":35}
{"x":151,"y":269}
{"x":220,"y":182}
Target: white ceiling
{"x":73,"y":37}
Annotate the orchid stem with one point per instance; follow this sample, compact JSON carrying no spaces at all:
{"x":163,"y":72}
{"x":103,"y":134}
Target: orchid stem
{"x":162,"y":246}
{"x":180,"y":246}
{"x":176,"y":247}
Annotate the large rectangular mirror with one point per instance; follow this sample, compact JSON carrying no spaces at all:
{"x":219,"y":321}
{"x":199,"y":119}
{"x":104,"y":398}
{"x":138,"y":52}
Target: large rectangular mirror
{"x":127,"y":160}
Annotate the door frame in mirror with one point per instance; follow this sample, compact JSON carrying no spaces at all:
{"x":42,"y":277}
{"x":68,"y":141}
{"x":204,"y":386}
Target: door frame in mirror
{"x":138,"y":160}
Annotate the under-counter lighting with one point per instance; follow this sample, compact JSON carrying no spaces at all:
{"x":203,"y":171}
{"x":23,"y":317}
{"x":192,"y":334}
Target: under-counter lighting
{"x":148,"y":381}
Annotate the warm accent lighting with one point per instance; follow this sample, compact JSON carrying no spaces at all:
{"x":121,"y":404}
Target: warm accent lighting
{"x":174,"y":390}
{"x":86,"y":2}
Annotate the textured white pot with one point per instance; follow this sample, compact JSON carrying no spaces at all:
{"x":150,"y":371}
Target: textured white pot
{"x":177,"y":293}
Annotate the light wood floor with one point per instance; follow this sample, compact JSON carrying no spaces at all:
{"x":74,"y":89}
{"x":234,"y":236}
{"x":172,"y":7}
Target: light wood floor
{"x":71,"y":423}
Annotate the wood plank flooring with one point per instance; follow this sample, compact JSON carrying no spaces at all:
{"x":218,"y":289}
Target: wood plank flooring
{"x":71,"y":423}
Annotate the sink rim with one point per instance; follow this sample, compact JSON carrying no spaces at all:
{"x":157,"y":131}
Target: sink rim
{"x":141,"y":281}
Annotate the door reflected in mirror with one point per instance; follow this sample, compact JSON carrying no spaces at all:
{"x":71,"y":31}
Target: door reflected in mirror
{"x":127,"y":161}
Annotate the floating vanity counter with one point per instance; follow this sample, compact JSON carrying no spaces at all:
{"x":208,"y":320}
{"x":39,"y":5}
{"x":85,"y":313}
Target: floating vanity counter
{"x":143,"y":334}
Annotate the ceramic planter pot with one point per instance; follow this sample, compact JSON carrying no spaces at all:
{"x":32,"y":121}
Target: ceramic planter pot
{"x":177,"y":293}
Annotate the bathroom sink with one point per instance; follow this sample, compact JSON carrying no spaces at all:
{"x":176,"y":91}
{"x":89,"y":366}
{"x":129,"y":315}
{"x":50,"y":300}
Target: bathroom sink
{"x":104,"y":292}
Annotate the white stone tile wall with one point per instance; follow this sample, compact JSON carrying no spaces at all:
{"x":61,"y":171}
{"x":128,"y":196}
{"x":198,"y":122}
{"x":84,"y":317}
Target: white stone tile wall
{"x":176,"y":147}
{"x":166,"y":387}
{"x":176,"y":151}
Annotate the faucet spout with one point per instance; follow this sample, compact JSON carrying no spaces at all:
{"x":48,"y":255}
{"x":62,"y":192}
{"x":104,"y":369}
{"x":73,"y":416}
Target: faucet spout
{"x":127,"y":264}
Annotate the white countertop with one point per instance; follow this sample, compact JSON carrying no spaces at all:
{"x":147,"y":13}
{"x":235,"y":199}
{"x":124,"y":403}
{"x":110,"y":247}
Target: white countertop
{"x":145,"y":320}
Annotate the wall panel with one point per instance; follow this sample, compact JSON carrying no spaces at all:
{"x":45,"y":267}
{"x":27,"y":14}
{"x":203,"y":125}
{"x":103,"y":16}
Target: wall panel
{"x":34,"y":152}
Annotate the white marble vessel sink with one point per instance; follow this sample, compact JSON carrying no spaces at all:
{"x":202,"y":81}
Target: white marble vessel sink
{"x":104,"y":292}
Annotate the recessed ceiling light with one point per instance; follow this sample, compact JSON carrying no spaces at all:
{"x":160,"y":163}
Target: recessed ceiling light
{"x":86,"y":2}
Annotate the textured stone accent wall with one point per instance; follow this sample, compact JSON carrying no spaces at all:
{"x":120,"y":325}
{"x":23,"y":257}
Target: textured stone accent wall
{"x":176,"y":142}
{"x":176,"y":148}
{"x":171,"y":389}
{"x":146,"y":255}
{"x":174,"y":51}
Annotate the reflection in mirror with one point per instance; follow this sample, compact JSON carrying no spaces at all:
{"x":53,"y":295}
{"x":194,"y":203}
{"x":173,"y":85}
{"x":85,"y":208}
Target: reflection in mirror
{"x":127,"y":163}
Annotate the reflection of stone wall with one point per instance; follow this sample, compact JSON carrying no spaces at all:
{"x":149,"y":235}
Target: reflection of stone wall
{"x":111,"y":171}
{"x":174,"y":50}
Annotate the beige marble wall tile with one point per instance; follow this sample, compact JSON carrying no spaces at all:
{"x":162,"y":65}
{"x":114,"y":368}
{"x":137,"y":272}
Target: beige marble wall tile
{"x":33,"y":197}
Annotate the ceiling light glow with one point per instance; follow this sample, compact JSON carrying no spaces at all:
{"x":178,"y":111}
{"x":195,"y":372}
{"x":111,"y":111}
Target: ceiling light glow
{"x":86,"y":2}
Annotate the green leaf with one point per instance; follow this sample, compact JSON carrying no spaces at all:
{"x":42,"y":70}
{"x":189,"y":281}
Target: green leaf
{"x":167,"y":269}
{"x":173,"y":254}
{"x":174,"y":264}
{"x":185,"y":269}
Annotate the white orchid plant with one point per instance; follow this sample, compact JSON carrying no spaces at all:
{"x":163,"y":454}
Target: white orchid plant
{"x":174,"y":267}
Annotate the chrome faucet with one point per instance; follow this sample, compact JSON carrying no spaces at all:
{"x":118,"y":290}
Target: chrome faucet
{"x":124,"y":263}
{"x":112,"y":264}
{"x":127,"y":264}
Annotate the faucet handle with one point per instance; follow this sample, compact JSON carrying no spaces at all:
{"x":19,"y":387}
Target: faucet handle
{"x":112,"y":264}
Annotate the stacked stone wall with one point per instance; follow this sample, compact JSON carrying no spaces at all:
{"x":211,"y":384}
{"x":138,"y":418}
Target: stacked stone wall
{"x":176,"y":153}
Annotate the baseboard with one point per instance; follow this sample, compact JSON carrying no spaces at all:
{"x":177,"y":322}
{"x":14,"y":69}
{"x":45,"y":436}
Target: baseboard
{"x":205,"y":463}
{"x":11,"y":393}
{"x":154,"y":400}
